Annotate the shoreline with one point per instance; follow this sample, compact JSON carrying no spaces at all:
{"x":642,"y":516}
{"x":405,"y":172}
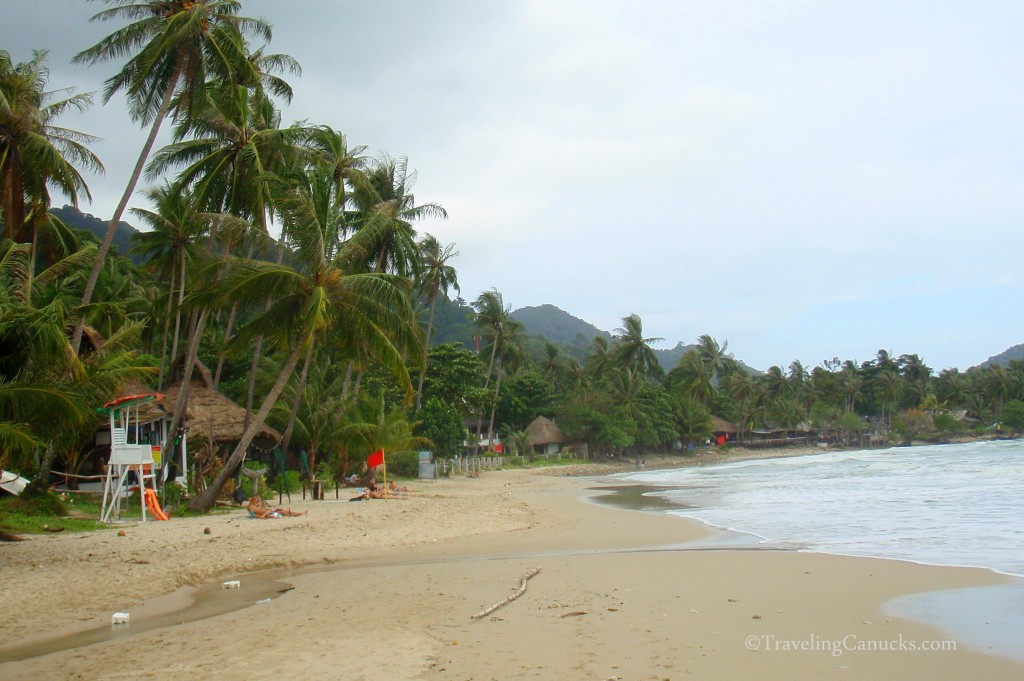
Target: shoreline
{"x":390,"y":585}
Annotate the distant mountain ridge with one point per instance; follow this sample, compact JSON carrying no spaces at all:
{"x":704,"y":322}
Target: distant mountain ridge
{"x":76,"y":219}
{"x":577,"y":335}
{"x":1005,"y":357}
{"x":557,"y":325}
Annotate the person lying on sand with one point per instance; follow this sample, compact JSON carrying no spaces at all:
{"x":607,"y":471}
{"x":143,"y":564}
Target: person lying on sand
{"x":395,"y":489}
{"x":374,"y":492}
{"x":259,"y":509}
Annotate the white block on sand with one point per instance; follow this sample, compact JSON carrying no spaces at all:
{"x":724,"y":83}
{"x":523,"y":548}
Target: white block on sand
{"x":233,"y":584}
{"x":119,"y":618}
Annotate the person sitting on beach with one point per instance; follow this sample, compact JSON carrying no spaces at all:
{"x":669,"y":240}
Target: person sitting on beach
{"x":259,"y":509}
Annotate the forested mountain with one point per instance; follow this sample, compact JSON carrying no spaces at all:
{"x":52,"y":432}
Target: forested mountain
{"x":1004,"y":358}
{"x":76,"y":219}
{"x":559,"y":327}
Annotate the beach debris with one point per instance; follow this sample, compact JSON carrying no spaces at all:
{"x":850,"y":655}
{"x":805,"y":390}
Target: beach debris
{"x":263,"y":601}
{"x":756,"y":617}
{"x":122,"y":533}
{"x":522,"y":589}
{"x":574,"y":613}
{"x":119,"y":618}
{"x":231,"y":584}
{"x":207,"y":530}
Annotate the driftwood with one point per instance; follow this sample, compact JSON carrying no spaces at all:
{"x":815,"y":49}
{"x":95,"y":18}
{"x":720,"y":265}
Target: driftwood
{"x":517,"y":594}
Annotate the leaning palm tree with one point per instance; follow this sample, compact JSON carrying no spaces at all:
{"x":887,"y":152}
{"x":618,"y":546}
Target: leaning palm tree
{"x":436,"y":277}
{"x":172,"y":43}
{"x":35,"y":154}
{"x":324,"y":294}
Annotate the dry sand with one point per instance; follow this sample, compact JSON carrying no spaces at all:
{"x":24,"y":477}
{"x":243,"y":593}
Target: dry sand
{"x":385,"y":590}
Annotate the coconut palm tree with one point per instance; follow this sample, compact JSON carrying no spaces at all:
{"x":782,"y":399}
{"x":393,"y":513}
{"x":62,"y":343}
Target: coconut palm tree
{"x":172,"y":43}
{"x":436,"y":277}
{"x":632,"y":350}
{"x":600,"y":359}
{"x":713,"y":354}
{"x":35,"y":154}
{"x":48,"y":393}
{"x":385,"y":200}
{"x":509,"y":344}
{"x":170,"y":244}
{"x":695,"y":378}
{"x":324,"y":294}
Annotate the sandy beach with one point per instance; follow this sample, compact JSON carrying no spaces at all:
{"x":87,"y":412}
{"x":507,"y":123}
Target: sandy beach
{"x":385,"y":589}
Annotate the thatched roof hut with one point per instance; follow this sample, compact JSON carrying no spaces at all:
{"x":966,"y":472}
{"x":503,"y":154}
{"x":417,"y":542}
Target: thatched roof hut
{"x":210,"y":411}
{"x":543,"y":431}
{"x":723,"y":427}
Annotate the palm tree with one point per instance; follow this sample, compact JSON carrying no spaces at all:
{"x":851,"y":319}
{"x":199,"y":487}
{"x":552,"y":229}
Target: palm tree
{"x":600,"y":359}
{"x":173,"y":42}
{"x":851,"y":385}
{"x":385,"y":199}
{"x":347,"y":163}
{"x":632,"y":350}
{"x":892,"y":390}
{"x":742,"y":387}
{"x":436,"y":277}
{"x":509,"y":342}
{"x":373,"y":427}
{"x":48,"y":393}
{"x":713,"y":354}
{"x":327,"y":295}
{"x":168,"y":247}
{"x":35,"y":154}
{"x":696,"y":379}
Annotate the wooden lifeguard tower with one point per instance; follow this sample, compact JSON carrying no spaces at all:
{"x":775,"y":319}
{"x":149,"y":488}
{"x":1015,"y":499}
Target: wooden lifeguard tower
{"x":126,"y":457}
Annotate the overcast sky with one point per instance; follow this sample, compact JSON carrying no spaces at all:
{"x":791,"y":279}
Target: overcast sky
{"x":801,"y":179}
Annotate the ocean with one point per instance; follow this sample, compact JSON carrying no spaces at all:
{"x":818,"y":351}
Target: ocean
{"x":958,"y":504}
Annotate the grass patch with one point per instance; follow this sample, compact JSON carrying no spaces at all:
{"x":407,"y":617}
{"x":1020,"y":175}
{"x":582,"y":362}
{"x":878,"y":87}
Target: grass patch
{"x":49,"y":513}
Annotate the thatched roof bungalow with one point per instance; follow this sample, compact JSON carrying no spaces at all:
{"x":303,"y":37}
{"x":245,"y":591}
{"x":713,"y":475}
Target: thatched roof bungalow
{"x":720,"y":426}
{"x":546,"y":437}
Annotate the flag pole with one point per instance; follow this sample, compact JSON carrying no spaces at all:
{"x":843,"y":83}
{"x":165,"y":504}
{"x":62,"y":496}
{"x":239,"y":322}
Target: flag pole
{"x":385,"y":464}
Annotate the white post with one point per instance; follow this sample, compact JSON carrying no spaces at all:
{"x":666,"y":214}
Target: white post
{"x":184,"y":458}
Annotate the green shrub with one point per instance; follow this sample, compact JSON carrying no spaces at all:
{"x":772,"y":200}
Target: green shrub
{"x":404,"y":464}
{"x":174,"y":492}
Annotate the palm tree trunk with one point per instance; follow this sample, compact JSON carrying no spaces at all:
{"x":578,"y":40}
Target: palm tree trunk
{"x":487,"y":382}
{"x":227,"y":330}
{"x":186,"y":381}
{"x":426,"y":353}
{"x":204,"y":502}
{"x":494,"y":407}
{"x":347,"y":382}
{"x":108,"y":238}
{"x":250,"y":393}
{"x":42,"y":479}
{"x":177,"y":315}
{"x":167,"y":328}
{"x":303,"y":376}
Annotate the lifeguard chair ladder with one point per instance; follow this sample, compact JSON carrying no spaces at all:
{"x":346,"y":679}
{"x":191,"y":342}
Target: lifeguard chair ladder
{"x":126,"y":457}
